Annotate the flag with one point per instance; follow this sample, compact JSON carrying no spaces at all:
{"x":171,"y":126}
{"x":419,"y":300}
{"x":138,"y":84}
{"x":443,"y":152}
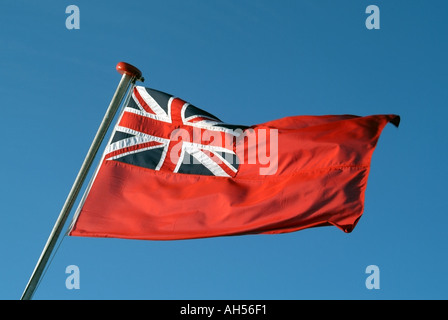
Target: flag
{"x":174,"y":171}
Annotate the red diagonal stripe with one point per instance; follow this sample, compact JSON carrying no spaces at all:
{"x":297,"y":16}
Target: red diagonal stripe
{"x":133,"y":148}
{"x":219,"y":162}
{"x":142,"y":102}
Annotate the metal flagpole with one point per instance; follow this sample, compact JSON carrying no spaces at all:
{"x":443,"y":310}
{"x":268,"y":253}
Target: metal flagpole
{"x":130,"y":74}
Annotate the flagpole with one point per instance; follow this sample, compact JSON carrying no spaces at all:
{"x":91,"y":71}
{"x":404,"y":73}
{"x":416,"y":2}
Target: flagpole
{"x":130,"y":74}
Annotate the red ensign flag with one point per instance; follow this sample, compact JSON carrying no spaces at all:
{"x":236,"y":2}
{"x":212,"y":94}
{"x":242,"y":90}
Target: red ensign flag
{"x":174,"y":171}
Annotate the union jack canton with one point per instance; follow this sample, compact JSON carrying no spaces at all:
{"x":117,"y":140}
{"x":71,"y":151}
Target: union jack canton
{"x":160,"y":132}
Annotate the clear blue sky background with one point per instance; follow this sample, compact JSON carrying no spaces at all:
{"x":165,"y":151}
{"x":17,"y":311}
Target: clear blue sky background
{"x":247,"y":62}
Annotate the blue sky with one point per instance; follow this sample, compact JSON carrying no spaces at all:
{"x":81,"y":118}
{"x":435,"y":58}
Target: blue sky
{"x":247,"y":62}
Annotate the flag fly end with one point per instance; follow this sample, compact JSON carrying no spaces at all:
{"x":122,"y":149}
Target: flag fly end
{"x":126,"y":68}
{"x":395,"y":120}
